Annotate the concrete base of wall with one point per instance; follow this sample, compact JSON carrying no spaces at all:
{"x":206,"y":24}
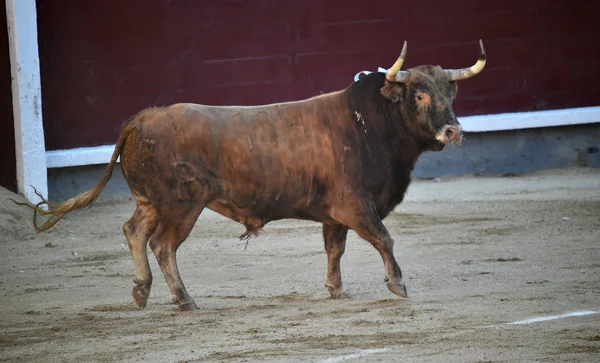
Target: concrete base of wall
{"x":515,"y":152}
{"x":64,"y":183}
{"x":487,"y":153}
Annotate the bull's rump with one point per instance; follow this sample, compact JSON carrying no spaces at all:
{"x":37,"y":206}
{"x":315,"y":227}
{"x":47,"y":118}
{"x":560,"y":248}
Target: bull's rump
{"x":254,"y":163}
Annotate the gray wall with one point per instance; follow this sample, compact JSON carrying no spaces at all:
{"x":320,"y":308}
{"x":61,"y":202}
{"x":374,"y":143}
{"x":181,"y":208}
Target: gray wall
{"x":490,"y":153}
{"x":515,"y":152}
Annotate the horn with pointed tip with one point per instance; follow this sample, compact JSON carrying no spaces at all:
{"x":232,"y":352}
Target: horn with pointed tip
{"x":464,"y":73}
{"x":394,"y":74}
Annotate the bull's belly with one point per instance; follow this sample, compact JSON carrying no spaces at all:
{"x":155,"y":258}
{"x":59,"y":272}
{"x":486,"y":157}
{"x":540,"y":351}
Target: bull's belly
{"x":259,"y":214}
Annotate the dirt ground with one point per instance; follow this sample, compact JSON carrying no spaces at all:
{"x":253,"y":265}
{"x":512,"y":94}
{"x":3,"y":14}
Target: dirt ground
{"x":476,"y":253}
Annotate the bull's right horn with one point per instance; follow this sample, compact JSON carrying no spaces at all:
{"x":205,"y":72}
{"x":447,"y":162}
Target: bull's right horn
{"x":394,"y":74}
{"x":464,"y":73}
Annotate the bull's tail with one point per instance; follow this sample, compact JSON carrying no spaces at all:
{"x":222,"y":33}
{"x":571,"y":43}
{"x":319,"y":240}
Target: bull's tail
{"x":85,"y":199}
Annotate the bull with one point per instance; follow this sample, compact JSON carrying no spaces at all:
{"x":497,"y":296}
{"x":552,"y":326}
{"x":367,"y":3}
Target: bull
{"x":343,"y":159}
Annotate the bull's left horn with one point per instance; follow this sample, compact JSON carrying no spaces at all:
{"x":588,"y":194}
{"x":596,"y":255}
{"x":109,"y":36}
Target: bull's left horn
{"x":464,"y":73}
{"x":394,"y":74}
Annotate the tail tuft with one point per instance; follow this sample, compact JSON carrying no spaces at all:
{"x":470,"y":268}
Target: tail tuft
{"x":57,"y":211}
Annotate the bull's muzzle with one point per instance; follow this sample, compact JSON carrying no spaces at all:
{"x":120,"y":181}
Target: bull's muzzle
{"x":449,"y":134}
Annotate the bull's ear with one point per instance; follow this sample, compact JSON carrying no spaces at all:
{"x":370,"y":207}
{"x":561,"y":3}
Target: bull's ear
{"x":454,"y":87}
{"x":393,"y":91}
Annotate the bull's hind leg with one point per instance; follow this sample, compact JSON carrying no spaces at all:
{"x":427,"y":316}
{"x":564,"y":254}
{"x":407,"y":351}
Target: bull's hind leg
{"x":335,"y":245}
{"x":174,"y":227}
{"x":138,"y":231}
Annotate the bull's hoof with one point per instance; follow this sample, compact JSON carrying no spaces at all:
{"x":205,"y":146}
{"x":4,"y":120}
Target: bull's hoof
{"x":342,"y":296}
{"x":140,"y":293}
{"x":337,"y":293}
{"x":397,"y":288}
{"x":188,"y":306}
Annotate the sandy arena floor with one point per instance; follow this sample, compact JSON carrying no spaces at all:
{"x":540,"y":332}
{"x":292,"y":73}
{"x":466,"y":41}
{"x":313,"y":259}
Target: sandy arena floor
{"x":477,"y":253}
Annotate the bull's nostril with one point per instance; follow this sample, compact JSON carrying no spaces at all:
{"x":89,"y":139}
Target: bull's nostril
{"x":450,"y":133}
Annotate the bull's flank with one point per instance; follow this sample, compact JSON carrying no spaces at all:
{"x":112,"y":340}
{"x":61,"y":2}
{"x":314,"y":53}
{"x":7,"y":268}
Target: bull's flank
{"x":343,"y":159}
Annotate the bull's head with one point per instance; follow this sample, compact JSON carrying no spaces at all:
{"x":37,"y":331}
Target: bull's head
{"x":425,"y":95}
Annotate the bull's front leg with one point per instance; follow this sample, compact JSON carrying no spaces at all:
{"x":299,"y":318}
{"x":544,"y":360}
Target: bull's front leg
{"x":334,"y":237}
{"x":362,"y":217}
{"x":380,"y":238}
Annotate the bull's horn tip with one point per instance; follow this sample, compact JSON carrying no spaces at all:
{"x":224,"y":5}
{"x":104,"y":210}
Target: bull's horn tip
{"x":482,"y":54}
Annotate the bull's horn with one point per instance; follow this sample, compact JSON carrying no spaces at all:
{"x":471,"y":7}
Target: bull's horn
{"x":394,"y":74}
{"x":464,"y":73}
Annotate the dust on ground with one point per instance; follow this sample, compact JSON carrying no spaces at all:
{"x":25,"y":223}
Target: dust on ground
{"x":476,"y":252}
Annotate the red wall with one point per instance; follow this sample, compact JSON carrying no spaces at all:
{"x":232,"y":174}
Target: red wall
{"x":8,"y":168}
{"x":102,"y":61}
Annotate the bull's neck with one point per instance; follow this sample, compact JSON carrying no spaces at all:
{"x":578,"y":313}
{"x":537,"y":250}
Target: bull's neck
{"x":382,"y":124}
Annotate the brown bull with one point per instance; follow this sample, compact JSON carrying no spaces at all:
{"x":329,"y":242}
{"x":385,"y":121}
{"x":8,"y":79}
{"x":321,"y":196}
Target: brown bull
{"x":343,"y":159}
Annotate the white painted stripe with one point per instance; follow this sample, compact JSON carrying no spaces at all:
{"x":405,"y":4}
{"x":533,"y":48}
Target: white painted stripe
{"x":358,"y":354}
{"x":533,"y":320}
{"x":484,"y":123}
{"x":527,"y":120}
{"x":79,"y":156}
{"x":540,"y":319}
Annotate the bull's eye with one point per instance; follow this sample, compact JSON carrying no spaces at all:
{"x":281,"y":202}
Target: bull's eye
{"x":422,"y":99}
